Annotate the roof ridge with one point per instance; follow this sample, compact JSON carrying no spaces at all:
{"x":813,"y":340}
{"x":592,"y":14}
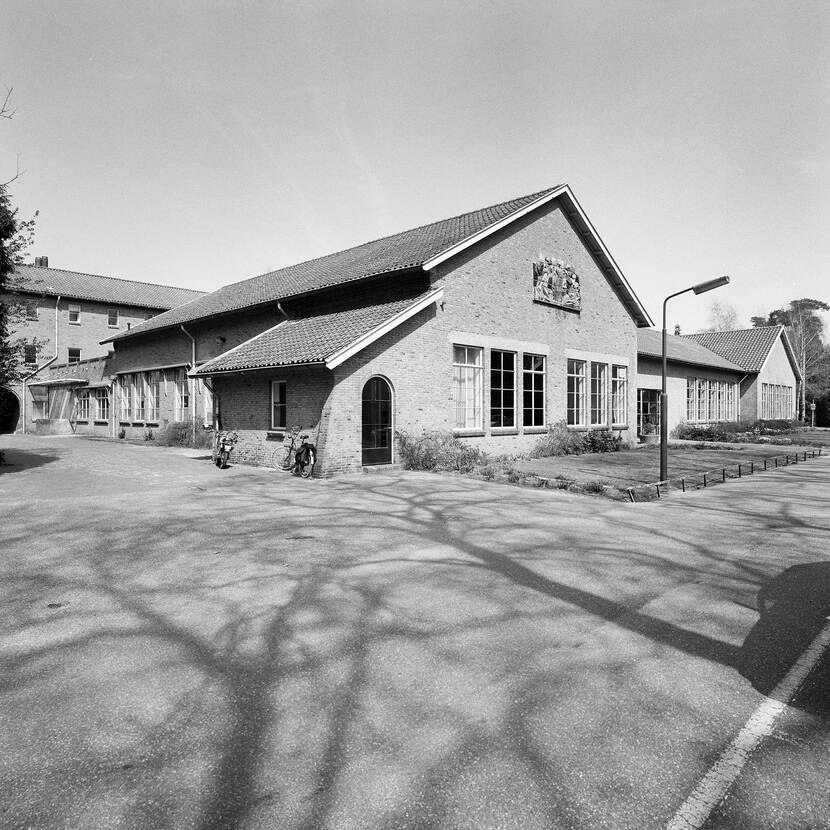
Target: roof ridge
{"x":530,"y":196}
{"x":106,"y":277}
{"x":731,"y":331}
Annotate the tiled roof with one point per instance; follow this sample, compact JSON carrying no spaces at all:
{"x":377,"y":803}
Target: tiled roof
{"x":54,"y":281}
{"x":409,"y":249}
{"x":680,"y":350}
{"x":84,"y":372}
{"x":746,"y":347}
{"x":306,"y":340}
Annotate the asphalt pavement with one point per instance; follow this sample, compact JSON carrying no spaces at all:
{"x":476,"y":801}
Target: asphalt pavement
{"x":184,"y":647}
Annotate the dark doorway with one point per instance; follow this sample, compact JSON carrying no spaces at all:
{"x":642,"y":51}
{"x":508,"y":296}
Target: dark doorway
{"x":377,"y":422}
{"x":9,"y":411}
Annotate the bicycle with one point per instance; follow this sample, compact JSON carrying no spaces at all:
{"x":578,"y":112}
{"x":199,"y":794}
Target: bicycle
{"x":300,"y":460}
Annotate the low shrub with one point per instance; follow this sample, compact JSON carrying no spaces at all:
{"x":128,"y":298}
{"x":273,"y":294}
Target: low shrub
{"x":437,"y":450}
{"x":560,"y":440}
{"x":595,"y":486}
{"x":180,"y":434}
{"x":514,"y":476}
{"x":602,"y":440}
{"x":733,"y":430}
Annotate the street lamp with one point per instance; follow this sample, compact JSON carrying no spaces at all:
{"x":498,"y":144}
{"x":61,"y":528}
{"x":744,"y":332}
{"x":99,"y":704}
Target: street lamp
{"x":700,"y":288}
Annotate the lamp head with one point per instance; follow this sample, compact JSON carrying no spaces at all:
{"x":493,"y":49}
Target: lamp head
{"x":703,"y":287}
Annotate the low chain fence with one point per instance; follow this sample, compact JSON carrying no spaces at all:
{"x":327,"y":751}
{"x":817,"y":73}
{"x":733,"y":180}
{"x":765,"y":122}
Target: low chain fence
{"x":710,"y":478}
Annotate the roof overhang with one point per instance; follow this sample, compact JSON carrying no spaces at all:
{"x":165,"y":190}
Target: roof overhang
{"x":589,"y":235}
{"x":342,"y":355}
{"x":788,"y":348}
{"x":335,"y":358}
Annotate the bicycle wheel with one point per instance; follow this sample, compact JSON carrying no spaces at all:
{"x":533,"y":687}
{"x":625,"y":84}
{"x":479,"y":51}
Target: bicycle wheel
{"x":281,"y":459}
{"x":222,"y":463}
{"x":308,"y":468}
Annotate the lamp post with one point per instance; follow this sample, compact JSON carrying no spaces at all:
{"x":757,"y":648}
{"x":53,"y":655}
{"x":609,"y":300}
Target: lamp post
{"x":700,"y":288}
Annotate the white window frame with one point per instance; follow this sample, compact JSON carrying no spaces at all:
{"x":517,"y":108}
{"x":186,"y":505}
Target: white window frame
{"x":82,"y":401}
{"x":182,"y":407}
{"x":69,"y":359}
{"x":502,"y":389}
{"x":576,"y":391}
{"x":601,"y":395}
{"x":110,"y":312}
{"x":102,"y":404}
{"x":152,"y":403}
{"x":74,"y":309}
{"x":619,"y":394}
{"x":468,"y":387}
{"x":32,"y":311}
{"x":275,"y":384}
{"x":126,"y":384}
{"x":534,"y":374}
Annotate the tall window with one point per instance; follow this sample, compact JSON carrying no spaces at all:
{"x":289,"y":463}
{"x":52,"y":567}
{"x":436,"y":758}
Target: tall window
{"x":533,"y":390}
{"x":73,"y":356}
{"x":102,"y":405}
{"x":139,"y":396}
{"x":702,"y":397}
{"x":576,"y":395}
{"x":74,"y":313}
{"x":30,"y":354}
{"x":619,"y":394}
{"x":112,"y":317}
{"x":31,"y":311}
{"x":126,"y":397}
{"x":502,"y":389}
{"x":599,"y":394}
{"x":153,"y":395}
{"x":83,"y":404}
{"x":278,"y":405}
{"x":467,"y":386}
{"x":182,"y":395}
{"x":713,"y":400}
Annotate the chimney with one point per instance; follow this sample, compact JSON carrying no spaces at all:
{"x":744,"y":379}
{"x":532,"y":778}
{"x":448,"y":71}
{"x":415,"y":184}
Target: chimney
{"x":42,"y":261}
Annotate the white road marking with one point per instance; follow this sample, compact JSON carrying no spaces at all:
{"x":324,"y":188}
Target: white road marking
{"x":697,"y":808}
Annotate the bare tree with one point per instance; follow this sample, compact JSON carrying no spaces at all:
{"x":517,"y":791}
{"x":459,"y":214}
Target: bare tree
{"x":722,"y":317}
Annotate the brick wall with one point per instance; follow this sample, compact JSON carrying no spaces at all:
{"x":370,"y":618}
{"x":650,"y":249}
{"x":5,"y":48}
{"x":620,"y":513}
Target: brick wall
{"x":84,"y":335}
{"x":488,"y":302}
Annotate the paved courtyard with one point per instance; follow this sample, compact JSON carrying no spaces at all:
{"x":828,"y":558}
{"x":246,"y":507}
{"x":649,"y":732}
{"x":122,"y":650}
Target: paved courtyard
{"x":183,"y":647}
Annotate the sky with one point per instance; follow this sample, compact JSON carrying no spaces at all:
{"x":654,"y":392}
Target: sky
{"x":200,"y":143}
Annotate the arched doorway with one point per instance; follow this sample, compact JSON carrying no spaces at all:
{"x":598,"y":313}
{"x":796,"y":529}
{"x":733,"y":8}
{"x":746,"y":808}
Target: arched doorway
{"x":9,"y":410}
{"x":376,"y":422}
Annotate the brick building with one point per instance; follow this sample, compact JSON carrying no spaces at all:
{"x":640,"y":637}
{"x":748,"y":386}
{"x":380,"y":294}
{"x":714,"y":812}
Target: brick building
{"x":743,"y":375}
{"x":67,"y":315}
{"x":769,"y":388}
{"x":491,"y":324}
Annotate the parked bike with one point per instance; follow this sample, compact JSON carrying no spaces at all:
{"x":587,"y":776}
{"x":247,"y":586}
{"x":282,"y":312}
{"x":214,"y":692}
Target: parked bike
{"x":222,"y":447}
{"x":299,"y":460}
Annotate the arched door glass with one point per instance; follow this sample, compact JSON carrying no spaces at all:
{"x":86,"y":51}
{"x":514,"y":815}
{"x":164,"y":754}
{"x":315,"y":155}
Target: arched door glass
{"x":377,"y":422}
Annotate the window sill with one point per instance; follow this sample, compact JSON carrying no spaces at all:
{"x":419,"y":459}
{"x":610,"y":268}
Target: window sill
{"x":619,"y":426}
{"x":151,"y":423}
{"x":99,"y":423}
{"x":136,"y":423}
{"x":276,"y":434}
{"x":468,"y":433}
{"x":123,"y":423}
{"x":504,"y":430}
{"x":75,"y":323}
{"x":109,"y":326}
{"x":82,"y":421}
{"x":534,"y":430}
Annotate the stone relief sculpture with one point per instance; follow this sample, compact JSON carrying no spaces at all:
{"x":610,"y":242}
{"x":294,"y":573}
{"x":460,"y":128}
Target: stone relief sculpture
{"x":557,"y":284}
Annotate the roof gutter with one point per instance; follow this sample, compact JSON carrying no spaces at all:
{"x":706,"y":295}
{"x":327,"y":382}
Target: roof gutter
{"x":44,"y":365}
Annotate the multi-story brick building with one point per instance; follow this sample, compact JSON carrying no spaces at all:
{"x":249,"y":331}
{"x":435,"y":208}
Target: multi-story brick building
{"x":492,"y":325}
{"x":66,"y":316}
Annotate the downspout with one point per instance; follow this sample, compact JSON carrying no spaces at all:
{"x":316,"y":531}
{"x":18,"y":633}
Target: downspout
{"x":282,"y":310}
{"x":43,"y":366}
{"x":191,"y":383}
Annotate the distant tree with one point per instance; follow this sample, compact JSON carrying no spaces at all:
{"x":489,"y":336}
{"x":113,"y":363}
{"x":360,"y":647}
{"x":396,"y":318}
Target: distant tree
{"x":722,"y":317}
{"x":15,"y":237}
{"x":805,"y":330}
